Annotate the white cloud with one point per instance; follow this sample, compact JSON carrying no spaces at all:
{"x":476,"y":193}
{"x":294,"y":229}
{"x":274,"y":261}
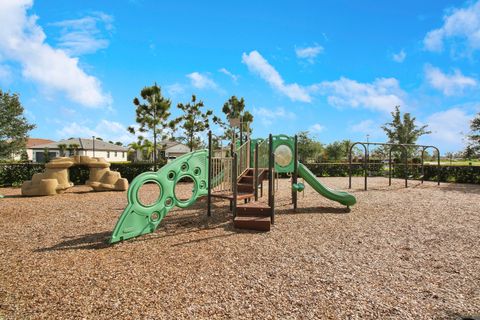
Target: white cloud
{"x":201,"y":81}
{"x":383,"y":94}
{"x":364,"y":126}
{"x":23,"y":40}
{"x":448,"y":128}
{"x":399,"y":57}
{"x":449,"y":84}
{"x":267,"y":116}
{"x":228,"y":73}
{"x":108,"y":130}
{"x":175,"y":89}
{"x":316,"y":128}
{"x":84,"y":35}
{"x":463,"y":24}
{"x":258,"y":65}
{"x":309,"y":53}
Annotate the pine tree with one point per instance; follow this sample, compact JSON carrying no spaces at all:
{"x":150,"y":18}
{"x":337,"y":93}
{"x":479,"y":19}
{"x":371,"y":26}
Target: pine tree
{"x":192,"y":121}
{"x":151,"y":115}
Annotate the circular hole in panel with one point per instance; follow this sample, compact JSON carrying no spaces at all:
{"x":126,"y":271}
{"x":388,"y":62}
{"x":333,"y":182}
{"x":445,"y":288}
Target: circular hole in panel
{"x":184,"y":167}
{"x":171,"y":175}
{"x":155,"y":217}
{"x":185,"y":189}
{"x":203,"y":184}
{"x":149,"y":193}
{"x":197,"y":171}
{"x":283,"y":155}
{"x":168,"y":202}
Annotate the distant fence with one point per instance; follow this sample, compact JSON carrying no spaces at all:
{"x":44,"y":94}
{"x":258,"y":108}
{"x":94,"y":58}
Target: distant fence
{"x":13,"y":174}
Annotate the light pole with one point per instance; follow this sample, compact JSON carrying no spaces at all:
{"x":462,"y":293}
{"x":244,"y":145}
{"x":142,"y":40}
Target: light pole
{"x":93,"y":145}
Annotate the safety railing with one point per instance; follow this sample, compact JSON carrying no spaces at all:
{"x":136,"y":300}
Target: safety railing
{"x":263,"y":148}
{"x":243,"y":153}
{"x":222,"y":174}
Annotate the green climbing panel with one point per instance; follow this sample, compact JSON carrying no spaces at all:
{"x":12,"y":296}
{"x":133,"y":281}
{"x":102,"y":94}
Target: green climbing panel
{"x":138,"y":219}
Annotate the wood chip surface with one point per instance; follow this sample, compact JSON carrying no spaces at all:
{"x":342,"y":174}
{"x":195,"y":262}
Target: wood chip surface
{"x":399,"y":254}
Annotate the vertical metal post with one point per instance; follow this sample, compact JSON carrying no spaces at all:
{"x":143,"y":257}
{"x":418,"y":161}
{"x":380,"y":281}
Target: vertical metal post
{"x":234,"y":185}
{"x":255,"y":178}
{"x":438,"y":166}
{"x":406,"y":166}
{"x":423,"y":169}
{"x":270,"y":171}
{"x":350,"y":167}
{"x":209,"y":181}
{"x":365,"y":168}
{"x":295,"y":172}
{"x":390,"y":167}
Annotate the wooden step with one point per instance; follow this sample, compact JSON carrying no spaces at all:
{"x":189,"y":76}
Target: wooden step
{"x":229,"y":196}
{"x":252,"y":223}
{"x":245,"y":187}
{"x":246,"y":179}
{"x":253,"y":209}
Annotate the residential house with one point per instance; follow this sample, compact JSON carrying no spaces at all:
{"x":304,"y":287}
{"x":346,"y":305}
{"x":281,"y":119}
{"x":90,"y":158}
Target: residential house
{"x":168,"y":149}
{"x":85,"y":147}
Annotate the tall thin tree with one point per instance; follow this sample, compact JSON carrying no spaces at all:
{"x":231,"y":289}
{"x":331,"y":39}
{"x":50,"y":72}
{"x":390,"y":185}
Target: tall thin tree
{"x":151,"y":115}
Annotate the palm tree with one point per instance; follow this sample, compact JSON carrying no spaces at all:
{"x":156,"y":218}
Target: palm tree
{"x":133,"y":148}
{"x":73,"y":148}
{"x":62,"y":147}
{"x":147,"y":149}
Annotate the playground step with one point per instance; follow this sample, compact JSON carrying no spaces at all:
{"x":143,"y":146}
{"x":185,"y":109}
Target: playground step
{"x":244,"y":187}
{"x":246,"y":179}
{"x":253,"y":209}
{"x":229,"y":196}
{"x":252,"y":223}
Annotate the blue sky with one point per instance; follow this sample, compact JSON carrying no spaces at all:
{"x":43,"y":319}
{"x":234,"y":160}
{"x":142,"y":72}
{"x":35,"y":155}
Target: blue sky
{"x":335,"y":68}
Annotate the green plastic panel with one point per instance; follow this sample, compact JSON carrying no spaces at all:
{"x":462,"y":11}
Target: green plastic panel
{"x":138,"y":219}
{"x":280,"y":140}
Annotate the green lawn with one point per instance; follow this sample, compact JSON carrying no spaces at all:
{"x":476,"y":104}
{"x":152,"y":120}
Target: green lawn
{"x":455,"y":163}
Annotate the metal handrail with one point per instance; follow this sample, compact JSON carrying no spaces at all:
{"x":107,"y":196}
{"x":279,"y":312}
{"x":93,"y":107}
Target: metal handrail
{"x":243,"y":153}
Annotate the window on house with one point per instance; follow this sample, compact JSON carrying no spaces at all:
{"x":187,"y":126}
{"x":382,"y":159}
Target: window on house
{"x":108,"y":154}
{"x":115,"y":153}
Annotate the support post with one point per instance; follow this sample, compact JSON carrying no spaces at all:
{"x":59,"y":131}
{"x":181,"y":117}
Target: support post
{"x":390,"y":167}
{"x":423,"y":168}
{"x":350,"y":167}
{"x":255,"y":178}
{"x":270,"y":176}
{"x":234,"y":185}
{"x":209,"y":181}
{"x":295,"y":173}
{"x":365,"y":168}
{"x":406,"y":166}
{"x":438,"y":166}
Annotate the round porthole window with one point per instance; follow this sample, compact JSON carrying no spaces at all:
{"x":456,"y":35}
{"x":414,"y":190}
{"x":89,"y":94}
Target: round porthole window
{"x":283,"y":155}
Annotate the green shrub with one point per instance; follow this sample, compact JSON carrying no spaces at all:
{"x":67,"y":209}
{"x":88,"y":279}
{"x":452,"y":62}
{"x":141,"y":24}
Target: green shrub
{"x":14,"y":174}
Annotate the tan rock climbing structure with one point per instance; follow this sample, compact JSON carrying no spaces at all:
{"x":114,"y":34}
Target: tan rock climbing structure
{"x":55,"y":179}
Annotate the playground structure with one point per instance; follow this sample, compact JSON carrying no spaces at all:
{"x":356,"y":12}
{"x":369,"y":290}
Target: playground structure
{"x":392,"y":146}
{"x":237,"y":176}
{"x":55,"y":179}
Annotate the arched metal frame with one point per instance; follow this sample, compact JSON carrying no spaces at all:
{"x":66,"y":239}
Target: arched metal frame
{"x":404,"y":146}
{"x":365,"y":161}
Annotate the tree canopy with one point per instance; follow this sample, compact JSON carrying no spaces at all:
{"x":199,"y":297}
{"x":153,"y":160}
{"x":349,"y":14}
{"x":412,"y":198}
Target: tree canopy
{"x":14,"y":127}
{"x":192,"y":121}
{"x":403,"y":129}
{"x":473,"y":148}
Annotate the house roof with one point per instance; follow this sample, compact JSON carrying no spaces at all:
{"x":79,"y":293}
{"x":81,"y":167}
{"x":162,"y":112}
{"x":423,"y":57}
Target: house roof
{"x":36,"y":141}
{"x":84,"y":144}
